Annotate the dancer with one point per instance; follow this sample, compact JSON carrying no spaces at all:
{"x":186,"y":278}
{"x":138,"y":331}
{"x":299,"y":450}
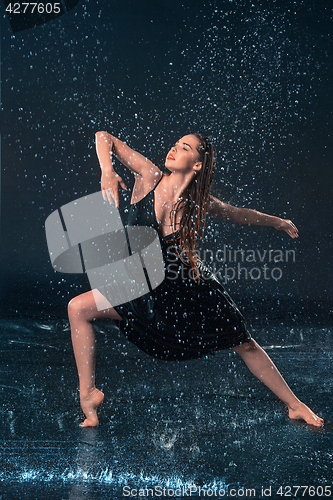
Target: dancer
{"x":189,"y":314}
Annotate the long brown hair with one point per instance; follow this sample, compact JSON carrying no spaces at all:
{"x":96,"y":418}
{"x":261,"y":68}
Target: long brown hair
{"x":194,"y":205}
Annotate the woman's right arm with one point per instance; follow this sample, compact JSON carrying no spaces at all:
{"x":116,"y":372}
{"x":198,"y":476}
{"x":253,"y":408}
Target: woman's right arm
{"x":106,"y":145}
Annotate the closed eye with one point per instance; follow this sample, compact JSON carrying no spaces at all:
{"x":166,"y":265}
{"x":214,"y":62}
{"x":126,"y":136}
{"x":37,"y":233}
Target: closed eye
{"x":185,"y":146}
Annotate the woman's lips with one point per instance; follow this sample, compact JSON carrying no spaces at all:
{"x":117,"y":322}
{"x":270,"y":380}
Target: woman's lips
{"x":170,"y":157}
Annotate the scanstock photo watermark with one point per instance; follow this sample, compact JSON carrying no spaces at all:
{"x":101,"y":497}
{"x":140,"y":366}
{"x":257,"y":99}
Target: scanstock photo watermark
{"x":231,"y":264}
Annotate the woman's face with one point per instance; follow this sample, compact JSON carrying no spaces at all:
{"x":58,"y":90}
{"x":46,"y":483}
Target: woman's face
{"x":184,"y":156}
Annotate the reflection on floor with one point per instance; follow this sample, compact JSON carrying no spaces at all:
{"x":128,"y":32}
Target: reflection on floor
{"x":168,"y":428}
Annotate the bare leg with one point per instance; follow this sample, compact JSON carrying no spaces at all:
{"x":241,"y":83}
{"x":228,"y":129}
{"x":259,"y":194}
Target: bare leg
{"x":81,"y":311}
{"x":264,"y":369}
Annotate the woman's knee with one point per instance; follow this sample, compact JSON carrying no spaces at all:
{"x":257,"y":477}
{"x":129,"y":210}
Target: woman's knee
{"x":246,"y":347}
{"x":89,"y":306}
{"x":80,"y":308}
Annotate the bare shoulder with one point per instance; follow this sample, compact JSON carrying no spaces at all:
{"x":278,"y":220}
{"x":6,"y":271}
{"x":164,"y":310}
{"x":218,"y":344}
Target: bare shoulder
{"x":214,"y":206}
{"x":144,"y":184}
{"x":217,"y":208}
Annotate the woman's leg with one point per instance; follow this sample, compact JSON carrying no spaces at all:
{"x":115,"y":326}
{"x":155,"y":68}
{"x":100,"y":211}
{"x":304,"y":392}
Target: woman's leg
{"x":264,"y":369}
{"x":81,"y":311}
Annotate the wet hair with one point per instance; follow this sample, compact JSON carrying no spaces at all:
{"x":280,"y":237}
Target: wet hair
{"x":194,"y":206}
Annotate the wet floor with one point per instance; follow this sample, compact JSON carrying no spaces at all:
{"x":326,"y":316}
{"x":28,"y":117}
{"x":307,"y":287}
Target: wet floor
{"x":166,"y":429}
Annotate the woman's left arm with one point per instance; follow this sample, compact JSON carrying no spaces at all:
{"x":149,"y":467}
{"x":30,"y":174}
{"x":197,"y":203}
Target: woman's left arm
{"x":217,"y":208}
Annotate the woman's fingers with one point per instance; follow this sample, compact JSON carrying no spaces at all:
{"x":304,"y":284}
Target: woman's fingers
{"x":110,"y":186}
{"x":111,"y":198}
{"x":115,"y":197}
{"x":294,"y":227}
{"x":289,"y":227}
{"x":108,"y":195}
{"x":293,"y":230}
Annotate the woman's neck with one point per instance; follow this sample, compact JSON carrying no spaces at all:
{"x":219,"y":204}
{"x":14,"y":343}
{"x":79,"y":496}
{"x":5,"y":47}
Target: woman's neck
{"x":175,"y":185}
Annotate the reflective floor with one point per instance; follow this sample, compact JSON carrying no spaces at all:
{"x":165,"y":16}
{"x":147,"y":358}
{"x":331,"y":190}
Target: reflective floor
{"x":166,"y":429}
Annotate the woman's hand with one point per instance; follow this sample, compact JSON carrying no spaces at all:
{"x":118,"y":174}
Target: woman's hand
{"x":110,"y":182}
{"x":287,"y":226}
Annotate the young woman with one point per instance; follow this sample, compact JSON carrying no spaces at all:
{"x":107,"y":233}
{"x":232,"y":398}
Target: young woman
{"x":189,"y":314}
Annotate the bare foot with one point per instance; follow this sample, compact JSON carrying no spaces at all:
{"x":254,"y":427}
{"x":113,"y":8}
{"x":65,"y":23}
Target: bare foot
{"x":302,"y":412}
{"x":89,"y":405}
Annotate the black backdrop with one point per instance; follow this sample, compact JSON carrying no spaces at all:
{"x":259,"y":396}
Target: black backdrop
{"x":256,"y":75}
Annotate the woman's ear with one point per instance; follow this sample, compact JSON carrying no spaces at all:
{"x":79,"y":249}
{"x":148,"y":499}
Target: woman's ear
{"x":197,"y":166}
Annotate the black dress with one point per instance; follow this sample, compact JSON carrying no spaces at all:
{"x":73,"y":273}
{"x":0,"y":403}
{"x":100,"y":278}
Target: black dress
{"x":181,"y":318}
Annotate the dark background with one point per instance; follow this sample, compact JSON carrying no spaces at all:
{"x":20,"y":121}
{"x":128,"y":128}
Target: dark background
{"x":256,"y":75}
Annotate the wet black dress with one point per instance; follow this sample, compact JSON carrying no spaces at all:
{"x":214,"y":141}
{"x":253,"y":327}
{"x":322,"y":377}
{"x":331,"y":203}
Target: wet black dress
{"x":180,"y":319}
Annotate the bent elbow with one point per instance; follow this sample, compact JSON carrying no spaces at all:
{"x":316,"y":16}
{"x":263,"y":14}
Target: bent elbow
{"x":101,"y":133}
